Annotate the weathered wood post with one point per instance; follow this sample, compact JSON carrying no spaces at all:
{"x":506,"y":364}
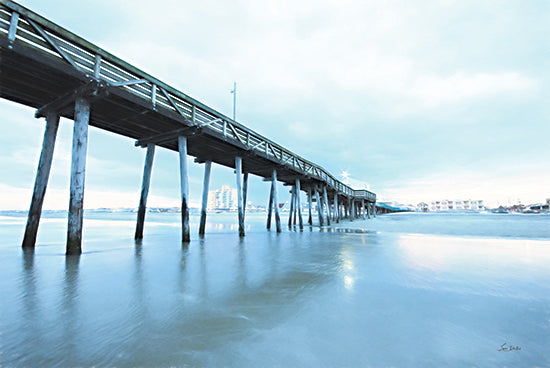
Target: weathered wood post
{"x":374,"y":209}
{"x":270,"y":206}
{"x":298,"y":205}
{"x":363,"y":208}
{"x":290,"y":213}
{"x":295,"y":213}
{"x":336,"y":209}
{"x":309,"y":199}
{"x":319,"y":207}
{"x":276,"y":202}
{"x":368,"y":210}
{"x":78,"y":176}
{"x":204,"y":204}
{"x":145,"y":183}
{"x":238,"y":173}
{"x":245,"y":192}
{"x":184,"y":184}
{"x":41,"y":181}
{"x":327,"y":204}
{"x":352,"y":210}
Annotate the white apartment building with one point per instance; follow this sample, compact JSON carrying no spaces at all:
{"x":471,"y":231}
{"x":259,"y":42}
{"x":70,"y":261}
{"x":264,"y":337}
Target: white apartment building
{"x":457,"y":205}
{"x":222,"y":199}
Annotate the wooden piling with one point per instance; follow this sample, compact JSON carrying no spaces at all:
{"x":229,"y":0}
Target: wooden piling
{"x":78,"y":176}
{"x":295,"y":212}
{"x":270,"y":205}
{"x":245,"y":192}
{"x":41,"y":181}
{"x":298,"y":205}
{"x":276,"y":202}
{"x":363,"y":209}
{"x":290,"y":213}
{"x":238,"y":173}
{"x":204,"y":204}
{"x":325,"y":197}
{"x":184,"y":184}
{"x":336,"y":209}
{"x":319,"y":207}
{"x":309,"y":219}
{"x":368,"y":210}
{"x":145,"y":183}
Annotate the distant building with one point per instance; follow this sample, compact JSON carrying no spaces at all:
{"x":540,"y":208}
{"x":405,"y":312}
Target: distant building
{"x":222,"y":199}
{"x":457,"y":205}
{"x":422,"y":207}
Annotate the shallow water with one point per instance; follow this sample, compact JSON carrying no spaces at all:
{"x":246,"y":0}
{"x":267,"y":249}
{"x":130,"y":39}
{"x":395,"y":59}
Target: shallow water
{"x":396,"y":291}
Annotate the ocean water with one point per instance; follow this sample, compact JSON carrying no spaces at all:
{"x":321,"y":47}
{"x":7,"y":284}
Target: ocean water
{"x":401,"y":290}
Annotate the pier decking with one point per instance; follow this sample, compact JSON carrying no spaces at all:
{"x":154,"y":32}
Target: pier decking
{"x":46,"y":67}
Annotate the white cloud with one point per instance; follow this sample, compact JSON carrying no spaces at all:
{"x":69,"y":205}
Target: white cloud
{"x":431,"y":90}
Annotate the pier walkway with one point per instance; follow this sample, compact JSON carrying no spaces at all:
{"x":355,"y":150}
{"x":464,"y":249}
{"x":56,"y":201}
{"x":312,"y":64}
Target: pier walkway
{"x":46,"y":67}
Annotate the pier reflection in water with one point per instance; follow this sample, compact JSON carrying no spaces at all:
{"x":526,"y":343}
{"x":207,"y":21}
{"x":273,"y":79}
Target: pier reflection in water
{"x":311,"y":298}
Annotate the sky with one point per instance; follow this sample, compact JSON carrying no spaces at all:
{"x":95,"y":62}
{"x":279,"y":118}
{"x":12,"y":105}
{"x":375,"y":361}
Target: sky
{"x":417,"y":101}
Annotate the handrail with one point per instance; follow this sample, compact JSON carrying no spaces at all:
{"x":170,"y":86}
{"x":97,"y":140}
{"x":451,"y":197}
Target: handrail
{"x":22,"y":25}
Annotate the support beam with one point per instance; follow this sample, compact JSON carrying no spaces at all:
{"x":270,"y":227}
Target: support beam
{"x":89,"y":91}
{"x":352,"y":210}
{"x":184,"y":185}
{"x":78,"y":175}
{"x":270,"y":205}
{"x":336,"y":209}
{"x":147,"y":169}
{"x":205,"y":187}
{"x":319,"y":207}
{"x":309,"y":199}
{"x":238,"y":173}
{"x":295,"y":213}
{"x":245,"y":192}
{"x":41,"y":181}
{"x":374,"y":209}
{"x":162,"y":138}
{"x":13,"y":28}
{"x":291,"y":212}
{"x":363,"y":209}
{"x":276,"y":202}
{"x":298,"y":205}
{"x":325,"y":198}
{"x":368,"y":210}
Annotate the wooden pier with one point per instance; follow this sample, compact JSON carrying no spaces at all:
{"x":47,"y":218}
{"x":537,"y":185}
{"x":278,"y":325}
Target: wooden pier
{"x":46,"y":67}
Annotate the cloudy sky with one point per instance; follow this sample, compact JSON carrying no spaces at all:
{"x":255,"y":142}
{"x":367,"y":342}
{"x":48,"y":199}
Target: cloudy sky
{"x":418,"y":100}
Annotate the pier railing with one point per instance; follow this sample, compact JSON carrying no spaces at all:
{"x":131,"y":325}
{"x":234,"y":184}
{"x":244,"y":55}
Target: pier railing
{"x":21,"y":25}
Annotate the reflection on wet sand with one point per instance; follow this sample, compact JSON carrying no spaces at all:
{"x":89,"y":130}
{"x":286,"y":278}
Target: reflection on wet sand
{"x":332,"y":297}
{"x":180,"y":305}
